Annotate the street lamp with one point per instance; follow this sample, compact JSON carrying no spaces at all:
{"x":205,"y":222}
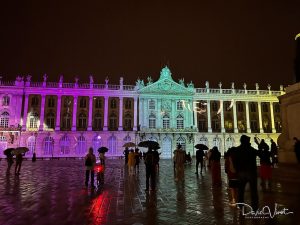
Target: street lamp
{"x":34,"y":155}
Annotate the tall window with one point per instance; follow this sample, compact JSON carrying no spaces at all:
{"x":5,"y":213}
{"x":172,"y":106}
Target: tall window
{"x":113,"y":122}
{"x":97,"y":142}
{"x":127,"y":103}
{"x":252,"y":107}
{"x":240,"y":107}
{"x":81,"y":146}
{"x":214,"y":106}
{"x":215,"y":123}
{"x":5,"y":100}
{"x":66,"y":121}
{"x":98,"y":103}
{"x":97,"y":121}
{"x":67,"y":102}
{"x":65,"y":144}
{"x":3,"y":143}
{"x":4,"y":119}
{"x":181,"y":141}
{"x":82,"y":120}
{"x":31,"y":143}
{"x":180,"y":123}
{"x":276,"y":107}
{"x":82,"y":102}
{"x":227,"y":106}
{"x":253,"y":125}
{"x":166,"y":122}
{"x":50,"y":121}
{"x":51,"y":102}
{"x":34,"y":101}
{"x":48,"y":145}
{"x":152,"y":121}
{"x":151,"y":104}
{"x":112,"y":145}
{"x":265,"y":107}
{"x":113,"y":104}
{"x":278,"y":124}
{"x":202,"y":124}
{"x":33,"y":120}
{"x":180,"y":105}
{"x":127,"y":122}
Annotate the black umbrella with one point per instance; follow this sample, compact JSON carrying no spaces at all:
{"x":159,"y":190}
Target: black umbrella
{"x":8,"y":151}
{"x":102,"y":149}
{"x":149,"y":144}
{"x":201,"y":147}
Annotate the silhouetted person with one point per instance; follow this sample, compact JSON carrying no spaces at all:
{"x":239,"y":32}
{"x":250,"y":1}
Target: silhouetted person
{"x":125,"y":153}
{"x":179,"y":163}
{"x":274,"y":153}
{"x":90,"y":161}
{"x":199,"y":160}
{"x":297,"y":148}
{"x":150,"y":163}
{"x":215,"y":166}
{"x":244,"y":161}
{"x":19,"y":160}
{"x":10,"y":161}
{"x":265,"y":164}
{"x":232,"y":176}
{"x":137,"y":159}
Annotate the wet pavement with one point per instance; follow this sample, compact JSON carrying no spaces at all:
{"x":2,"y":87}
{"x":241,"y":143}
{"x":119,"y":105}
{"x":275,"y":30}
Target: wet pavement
{"x":52,"y":192}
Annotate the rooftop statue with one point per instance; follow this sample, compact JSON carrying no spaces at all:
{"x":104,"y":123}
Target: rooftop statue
{"x":256,"y":86}
{"x":206,"y":84}
{"x":45,"y":77}
{"x":220,"y":85}
{"x":150,"y":81}
{"x":139,"y":84}
{"x":165,"y":73}
{"x":245,"y":86}
{"x":181,"y":82}
{"x":61,"y":78}
{"x":106,"y":80}
{"x":121,"y":81}
{"x":76,"y":80}
{"x":28,"y":78}
{"x":269,"y":87}
{"x":19,"y":78}
{"x":232,"y":85}
{"x":191,"y":85}
{"x":91,"y":79}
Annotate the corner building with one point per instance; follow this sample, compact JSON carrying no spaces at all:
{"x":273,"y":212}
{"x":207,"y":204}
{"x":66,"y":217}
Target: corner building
{"x":57,"y":119}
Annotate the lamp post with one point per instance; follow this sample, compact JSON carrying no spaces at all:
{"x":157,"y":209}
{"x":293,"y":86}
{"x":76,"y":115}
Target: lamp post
{"x":34,"y":154}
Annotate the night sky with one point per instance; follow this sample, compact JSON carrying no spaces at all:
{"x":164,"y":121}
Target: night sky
{"x":240,"y":41}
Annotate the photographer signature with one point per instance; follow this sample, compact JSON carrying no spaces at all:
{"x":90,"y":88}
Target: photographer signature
{"x":264,"y":212}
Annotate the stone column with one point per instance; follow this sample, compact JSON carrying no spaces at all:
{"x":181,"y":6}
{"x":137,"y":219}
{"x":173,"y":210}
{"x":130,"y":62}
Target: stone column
{"x":42,"y":114}
{"x":90,"y":121}
{"x":146,"y":124}
{"x":25,"y":115}
{"x":234,"y":118}
{"x":222,"y":117}
{"x":158,"y":119}
{"x":261,"y":130}
{"x":208,"y":117}
{"x":135,"y":113}
{"x":195,"y":114}
{"x":248,"y":118}
{"x":120,"y":113}
{"x":173,"y":115}
{"x":141,"y":113}
{"x":58,"y":109}
{"x":272,"y":118}
{"x":74,"y":117}
{"x":105,"y":127}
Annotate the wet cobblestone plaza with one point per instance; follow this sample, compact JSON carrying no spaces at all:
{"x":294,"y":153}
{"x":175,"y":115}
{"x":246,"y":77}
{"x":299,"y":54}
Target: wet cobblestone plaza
{"x":52,"y":192}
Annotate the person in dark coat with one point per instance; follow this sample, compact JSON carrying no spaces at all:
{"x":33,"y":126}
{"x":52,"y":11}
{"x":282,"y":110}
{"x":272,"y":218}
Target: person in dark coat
{"x":274,"y":153}
{"x":297,"y":148}
{"x":265,"y":165}
{"x":215,"y":166}
{"x":126,"y":153}
{"x":150,"y":161}
{"x":199,"y":160}
{"x":244,"y":161}
{"x":19,"y":160}
{"x":10,"y":161}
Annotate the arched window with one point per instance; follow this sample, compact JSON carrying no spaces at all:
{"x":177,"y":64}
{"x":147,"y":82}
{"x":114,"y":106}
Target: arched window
{"x":5,"y":100}
{"x":203,"y":140}
{"x":97,"y":143}
{"x":151,"y":104}
{"x":65,"y":144}
{"x":31,"y":143}
{"x":152,"y":121}
{"x":82,"y":120}
{"x":113,"y":122}
{"x":128,"y":121}
{"x":4,"y":119}
{"x":180,"y":123}
{"x":113,"y":104}
{"x":229,"y":142}
{"x":33,"y":120}
{"x":180,"y":105}
{"x":98,"y":103}
{"x":82,"y":102}
{"x":51,"y":102}
{"x":112,"y":145}
{"x":166,"y":122}
{"x":217,"y":142}
{"x":34,"y":101}
{"x":3,"y":144}
{"x":50,"y":120}
{"x":81,"y":146}
{"x":48,"y":145}
{"x":97,"y":121}
{"x":181,"y":140}
{"x":127,"y":103}
{"x":66,"y":121}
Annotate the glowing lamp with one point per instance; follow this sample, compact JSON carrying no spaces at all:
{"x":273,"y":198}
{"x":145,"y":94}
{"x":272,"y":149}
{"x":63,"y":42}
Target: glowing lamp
{"x":297,"y":36}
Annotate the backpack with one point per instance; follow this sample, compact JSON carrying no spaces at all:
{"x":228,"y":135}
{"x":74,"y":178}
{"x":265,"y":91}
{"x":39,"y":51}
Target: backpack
{"x":88,"y":161}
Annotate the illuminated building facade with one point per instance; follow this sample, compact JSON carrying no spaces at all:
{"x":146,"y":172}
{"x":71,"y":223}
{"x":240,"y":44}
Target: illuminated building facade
{"x":64,"y":119}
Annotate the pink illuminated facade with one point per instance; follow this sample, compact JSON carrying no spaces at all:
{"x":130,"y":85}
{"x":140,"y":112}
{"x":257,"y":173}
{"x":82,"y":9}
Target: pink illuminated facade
{"x":57,"y":119}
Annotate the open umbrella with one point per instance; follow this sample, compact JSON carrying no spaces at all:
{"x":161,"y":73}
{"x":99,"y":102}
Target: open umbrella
{"x":8,"y":151}
{"x":102,"y":149}
{"x":201,"y":147}
{"x":129,"y":145}
{"x":20,"y":150}
{"x":149,"y":144}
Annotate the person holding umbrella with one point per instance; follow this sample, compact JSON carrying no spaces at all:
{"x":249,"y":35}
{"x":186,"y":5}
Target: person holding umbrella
{"x":9,"y":158}
{"x":102,"y":151}
{"x":199,"y":156}
{"x":19,"y":152}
